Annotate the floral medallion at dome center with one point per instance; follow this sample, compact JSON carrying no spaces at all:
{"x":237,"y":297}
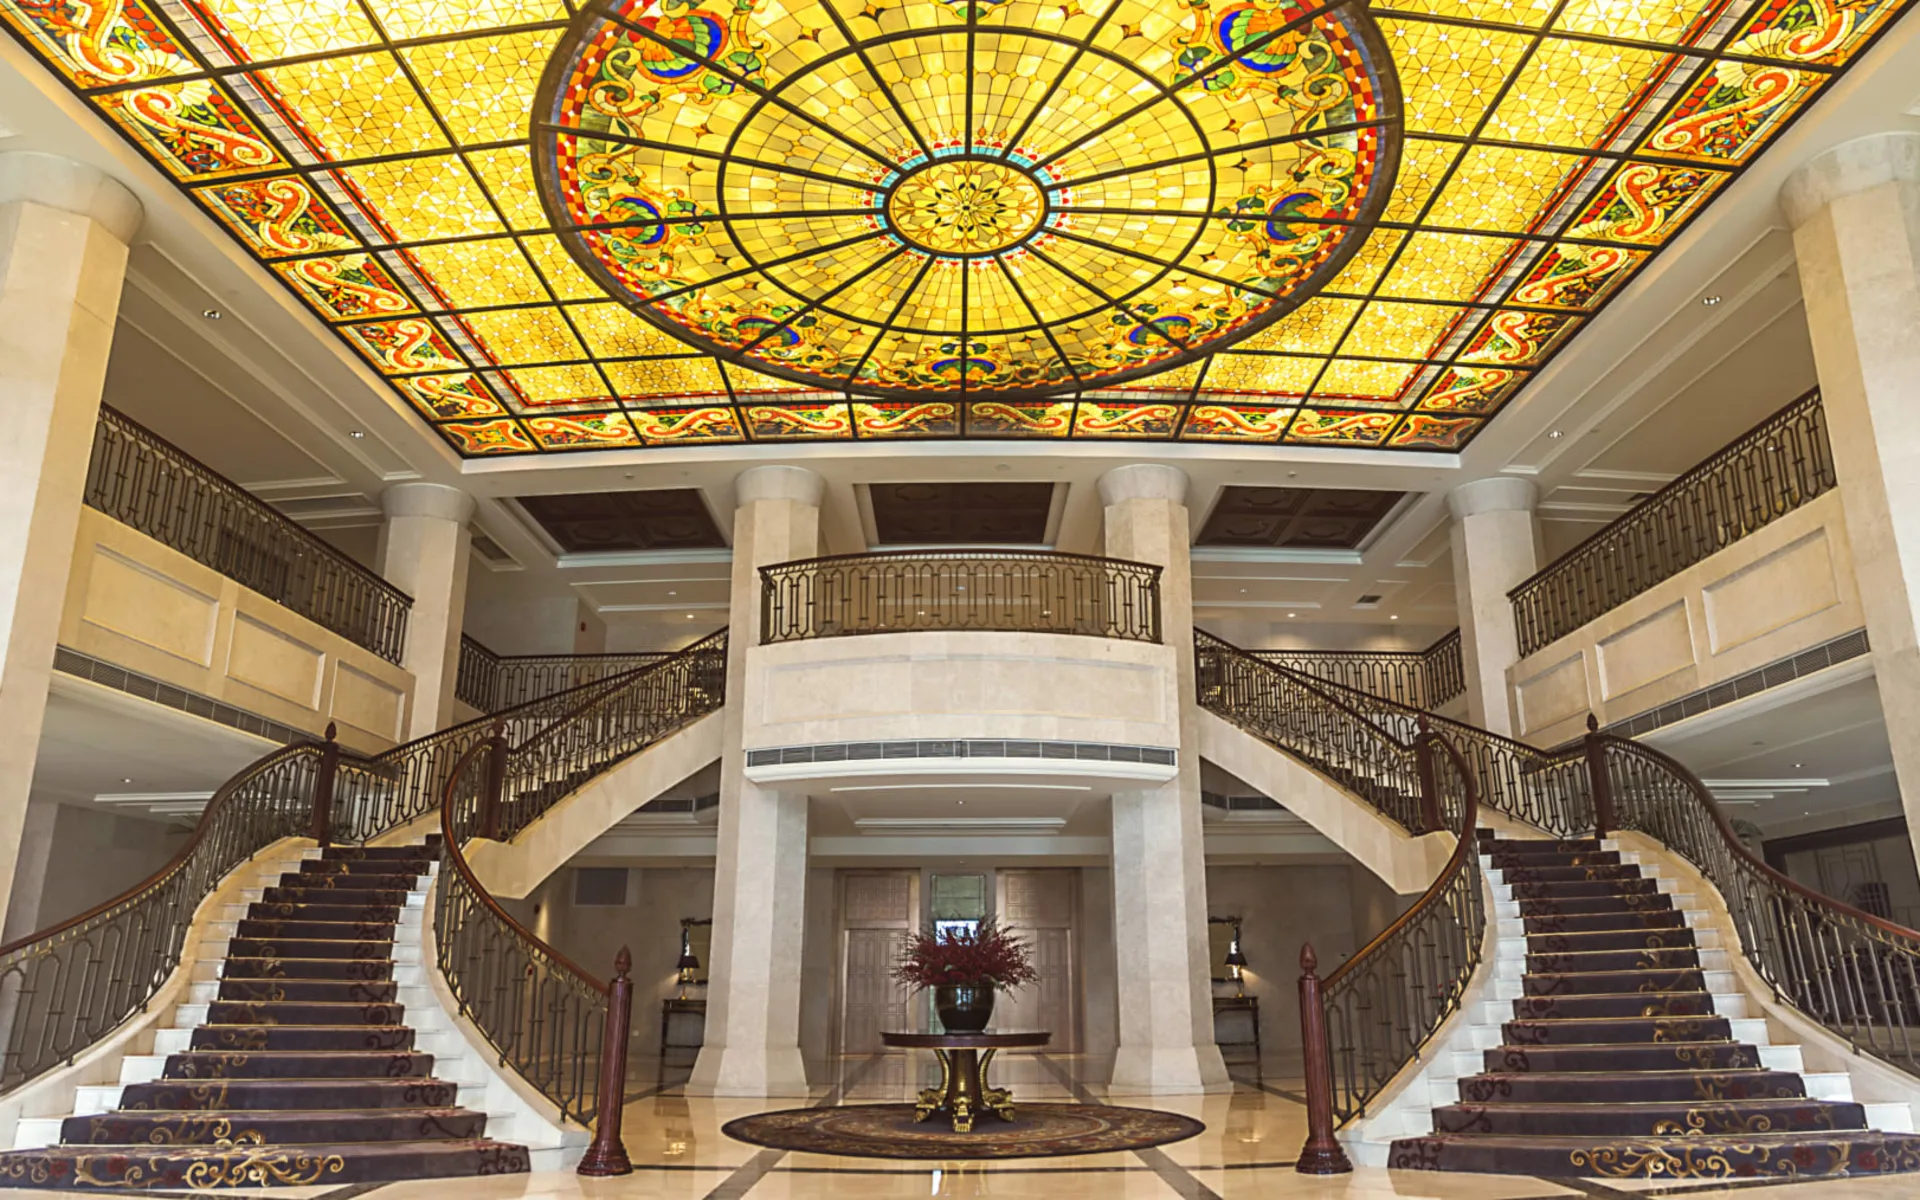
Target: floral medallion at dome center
{"x":934,"y":195}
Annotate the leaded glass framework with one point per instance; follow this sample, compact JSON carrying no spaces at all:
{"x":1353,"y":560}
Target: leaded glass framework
{"x":378,"y":157}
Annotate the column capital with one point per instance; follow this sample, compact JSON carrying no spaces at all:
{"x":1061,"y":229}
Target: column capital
{"x":1143,"y":481}
{"x":778,"y":483}
{"x":427,"y":500}
{"x":75,"y":187}
{"x":1847,"y":170}
{"x":1501,"y":493}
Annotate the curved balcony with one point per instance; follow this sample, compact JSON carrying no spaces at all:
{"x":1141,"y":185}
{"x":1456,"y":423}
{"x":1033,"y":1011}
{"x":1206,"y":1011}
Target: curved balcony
{"x":945,"y":591}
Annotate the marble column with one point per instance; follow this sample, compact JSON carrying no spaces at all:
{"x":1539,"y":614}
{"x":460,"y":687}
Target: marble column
{"x":1855,"y":212}
{"x":64,"y":232}
{"x":1159,"y":872}
{"x":425,"y":548}
{"x":1496,"y":546}
{"x":752,"y":1043}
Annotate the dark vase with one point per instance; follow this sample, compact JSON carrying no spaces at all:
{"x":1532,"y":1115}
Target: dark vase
{"x":965,"y":1008}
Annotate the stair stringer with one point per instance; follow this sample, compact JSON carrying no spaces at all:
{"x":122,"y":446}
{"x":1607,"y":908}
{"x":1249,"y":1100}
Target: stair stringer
{"x":31,"y":1113}
{"x":516,"y":1112}
{"x":1891,"y":1095}
{"x":1405,"y":863}
{"x":513,"y":869}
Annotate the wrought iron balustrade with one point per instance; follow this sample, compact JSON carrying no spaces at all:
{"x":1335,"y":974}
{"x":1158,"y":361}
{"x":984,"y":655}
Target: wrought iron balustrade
{"x":405,"y":783}
{"x":1309,"y":720}
{"x":1855,"y":973}
{"x":66,"y":987}
{"x":1025,"y":592}
{"x":143,"y":481}
{"x":1548,"y":790}
{"x":562,"y":1029}
{"x":1369,"y":1017}
{"x":1762,"y":475}
{"x":1423,"y":679}
{"x":490,"y":682}
{"x":546,"y":1016}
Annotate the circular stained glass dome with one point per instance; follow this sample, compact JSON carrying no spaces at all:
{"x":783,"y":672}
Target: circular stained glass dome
{"x":1000,"y":197}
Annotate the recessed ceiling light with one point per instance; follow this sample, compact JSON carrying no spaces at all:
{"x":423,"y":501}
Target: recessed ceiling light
{"x":356,"y":433}
{"x":212,"y":314}
{"x":1556,"y":434}
{"x":1709,"y":301}
{"x":1394,"y":617}
{"x":673,"y":593}
{"x":1796,"y":766}
{"x":1243,"y":591}
{"x":689,"y":616}
{"x":128,"y":780}
{"x":1293,"y":614}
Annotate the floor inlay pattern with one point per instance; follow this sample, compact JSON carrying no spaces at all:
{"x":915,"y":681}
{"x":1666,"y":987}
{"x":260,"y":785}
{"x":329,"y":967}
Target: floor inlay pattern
{"x":891,"y":1131}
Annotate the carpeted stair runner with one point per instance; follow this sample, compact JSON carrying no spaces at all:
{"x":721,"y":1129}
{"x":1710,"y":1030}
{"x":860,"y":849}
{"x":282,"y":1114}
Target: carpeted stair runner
{"x":1615,"y":1063}
{"x":305,"y":1071}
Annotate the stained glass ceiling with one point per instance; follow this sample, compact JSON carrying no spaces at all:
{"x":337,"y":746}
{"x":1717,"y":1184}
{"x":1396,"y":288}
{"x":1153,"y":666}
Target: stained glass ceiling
{"x":379,"y":158}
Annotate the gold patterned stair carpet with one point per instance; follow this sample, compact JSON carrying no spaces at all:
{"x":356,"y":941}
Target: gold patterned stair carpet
{"x":1615,"y":1063}
{"x":304,"y":1071}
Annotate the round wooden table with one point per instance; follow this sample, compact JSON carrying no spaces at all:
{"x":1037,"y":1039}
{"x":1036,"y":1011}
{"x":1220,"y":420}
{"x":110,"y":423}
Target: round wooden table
{"x":963,"y":1092}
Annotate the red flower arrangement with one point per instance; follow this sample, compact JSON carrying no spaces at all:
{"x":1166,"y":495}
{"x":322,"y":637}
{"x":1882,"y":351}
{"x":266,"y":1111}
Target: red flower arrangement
{"x":988,"y":956}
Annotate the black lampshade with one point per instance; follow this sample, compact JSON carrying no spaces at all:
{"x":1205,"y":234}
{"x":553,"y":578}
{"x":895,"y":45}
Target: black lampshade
{"x":688,"y":962}
{"x":1235,"y":958}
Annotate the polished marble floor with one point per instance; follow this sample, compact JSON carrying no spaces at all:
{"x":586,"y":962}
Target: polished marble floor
{"x":1247,"y":1151}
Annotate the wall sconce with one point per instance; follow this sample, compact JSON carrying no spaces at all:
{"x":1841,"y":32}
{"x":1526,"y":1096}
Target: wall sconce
{"x":1236,"y":962}
{"x":688,"y":963}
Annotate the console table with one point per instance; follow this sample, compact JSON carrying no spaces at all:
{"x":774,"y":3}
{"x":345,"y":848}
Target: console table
{"x":675,"y":1006}
{"x":1246,"y":1004}
{"x":963,"y":1092}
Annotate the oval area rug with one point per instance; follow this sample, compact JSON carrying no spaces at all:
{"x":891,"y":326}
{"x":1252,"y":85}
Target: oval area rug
{"x":889,"y":1131}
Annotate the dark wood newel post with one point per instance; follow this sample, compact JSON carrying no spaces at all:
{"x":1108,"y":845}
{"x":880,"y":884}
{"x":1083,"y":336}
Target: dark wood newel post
{"x":607,"y":1156}
{"x":1598,"y":781}
{"x":1429,"y":786}
{"x":1322,"y":1154}
{"x":496,"y":782}
{"x":323,"y":778}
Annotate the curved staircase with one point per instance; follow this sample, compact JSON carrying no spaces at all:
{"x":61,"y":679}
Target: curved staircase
{"x":296,"y":1066}
{"x":1617,"y":1062}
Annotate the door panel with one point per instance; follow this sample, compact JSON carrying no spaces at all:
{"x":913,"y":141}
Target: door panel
{"x":874,"y":1001}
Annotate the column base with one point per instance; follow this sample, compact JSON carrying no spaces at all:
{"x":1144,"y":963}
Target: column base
{"x":752,"y":1072}
{"x":1169,"y":1071}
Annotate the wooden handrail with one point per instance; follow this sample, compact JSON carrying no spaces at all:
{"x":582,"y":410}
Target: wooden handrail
{"x":1747,"y":858}
{"x":173,"y":865}
{"x":459,"y":861}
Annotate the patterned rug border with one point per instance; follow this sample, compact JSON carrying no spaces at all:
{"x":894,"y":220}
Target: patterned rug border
{"x":1154,"y":1128}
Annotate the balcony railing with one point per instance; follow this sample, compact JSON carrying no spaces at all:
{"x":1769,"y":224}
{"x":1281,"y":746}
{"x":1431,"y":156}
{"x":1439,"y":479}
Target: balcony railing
{"x":490,"y":682}
{"x":1765,"y":473}
{"x":1423,"y":679}
{"x":948,"y":590}
{"x":146,"y":482}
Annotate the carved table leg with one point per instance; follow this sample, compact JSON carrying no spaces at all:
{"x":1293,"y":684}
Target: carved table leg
{"x":963,"y":1090}
{"x":998,"y":1101}
{"x":933,"y":1099}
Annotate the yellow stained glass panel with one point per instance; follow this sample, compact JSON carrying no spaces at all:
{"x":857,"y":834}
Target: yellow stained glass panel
{"x":664,"y":378}
{"x":1498,"y":12}
{"x":1363,"y":380}
{"x":1637,"y":20}
{"x":357,"y":106}
{"x":1497,"y":188}
{"x":614,"y":331}
{"x":1387,"y":330}
{"x":1572,"y":93}
{"x":426,"y":198}
{"x":1446,"y":266}
{"x":1423,"y":164}
{"x":508,"y":174}
{"x":480,"y":274}
{"x":1316,"y":327}
{"x":1261,"y":373}
{"x":559,"y":269}
{"x":558,"y":385}
{"x":525,"y":335}
{"x":407,"y":19}
{"x":1450,"y":74}
{"x":483,"y":87}
{"x":270,"y":29}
